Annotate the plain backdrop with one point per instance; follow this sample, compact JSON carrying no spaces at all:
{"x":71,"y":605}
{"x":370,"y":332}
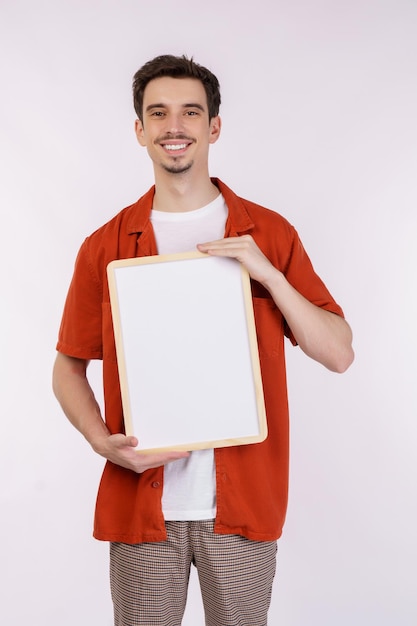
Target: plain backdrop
{"x":319,"y":124}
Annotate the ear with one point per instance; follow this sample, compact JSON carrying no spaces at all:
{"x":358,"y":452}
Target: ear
{"x":215,"y":127}
{"x":140,"y":132}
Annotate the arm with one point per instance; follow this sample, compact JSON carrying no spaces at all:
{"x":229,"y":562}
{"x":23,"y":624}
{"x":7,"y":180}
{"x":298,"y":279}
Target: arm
{"x":322,"y":335}
{"x":73,"y":391}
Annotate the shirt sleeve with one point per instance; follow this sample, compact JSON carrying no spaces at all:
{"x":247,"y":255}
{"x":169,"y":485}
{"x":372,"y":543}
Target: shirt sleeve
{"x":302,"y":276}
{"x":80,"y":333}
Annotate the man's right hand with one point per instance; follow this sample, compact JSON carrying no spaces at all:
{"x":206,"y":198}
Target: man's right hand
{"x":121,"y":450}
{"x":77,"y":400}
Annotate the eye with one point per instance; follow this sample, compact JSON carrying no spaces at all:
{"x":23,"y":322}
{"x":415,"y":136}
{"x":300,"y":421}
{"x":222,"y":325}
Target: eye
{"x":157,"y":114}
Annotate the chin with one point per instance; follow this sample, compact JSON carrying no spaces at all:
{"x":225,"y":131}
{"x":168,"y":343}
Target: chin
{"x":178,"y":168}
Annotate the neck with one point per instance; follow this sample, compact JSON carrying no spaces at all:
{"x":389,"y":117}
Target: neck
{"x":179,"y":193}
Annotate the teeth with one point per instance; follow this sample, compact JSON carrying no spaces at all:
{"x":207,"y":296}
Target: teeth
{"x":179,"y":146}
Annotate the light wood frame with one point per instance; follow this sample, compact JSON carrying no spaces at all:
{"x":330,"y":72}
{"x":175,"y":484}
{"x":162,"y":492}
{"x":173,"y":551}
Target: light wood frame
{"x":187,"y":352}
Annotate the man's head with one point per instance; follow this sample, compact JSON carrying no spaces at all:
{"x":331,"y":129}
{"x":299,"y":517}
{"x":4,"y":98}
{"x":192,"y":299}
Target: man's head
{"x":175,"y":67}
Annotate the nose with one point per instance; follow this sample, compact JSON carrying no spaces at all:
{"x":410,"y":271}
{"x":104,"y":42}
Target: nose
{"x":174,"y":123}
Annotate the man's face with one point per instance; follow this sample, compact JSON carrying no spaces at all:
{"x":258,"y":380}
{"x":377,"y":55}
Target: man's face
{"x":176,"y":129}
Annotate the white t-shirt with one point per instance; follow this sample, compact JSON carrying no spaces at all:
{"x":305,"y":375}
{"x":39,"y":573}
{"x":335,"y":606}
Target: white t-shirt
{"x":190,"y":484}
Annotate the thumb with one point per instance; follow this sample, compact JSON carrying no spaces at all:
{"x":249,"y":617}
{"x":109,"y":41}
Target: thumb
{"x":131,"y":441}
{"x":121,"y":441}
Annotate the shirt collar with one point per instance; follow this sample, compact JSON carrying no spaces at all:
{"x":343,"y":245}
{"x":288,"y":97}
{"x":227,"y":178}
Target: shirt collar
{"x":239,"y":220}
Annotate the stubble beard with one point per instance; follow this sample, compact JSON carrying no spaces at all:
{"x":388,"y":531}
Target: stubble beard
{"x":177,"y":168}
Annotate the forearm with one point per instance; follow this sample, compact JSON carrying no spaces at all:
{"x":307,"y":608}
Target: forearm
{"x":76,"y":397}
{"x":73,"y":392}
{"x":322,"y":335}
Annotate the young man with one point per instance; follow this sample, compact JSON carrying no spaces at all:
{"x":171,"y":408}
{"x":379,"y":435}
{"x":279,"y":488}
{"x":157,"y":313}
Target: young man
{"x":222,"y":509}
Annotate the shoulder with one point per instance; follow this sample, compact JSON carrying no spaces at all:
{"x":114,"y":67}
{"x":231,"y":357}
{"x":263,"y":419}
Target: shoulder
{"x":259,"y":217}
{"x":273,"y":233}
{"x":266,"y":216}
{"x":109,"y":229}
{"x":115,"y":238}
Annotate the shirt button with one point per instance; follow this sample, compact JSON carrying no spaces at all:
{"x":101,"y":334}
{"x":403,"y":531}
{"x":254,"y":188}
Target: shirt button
{"x":156,"y":484}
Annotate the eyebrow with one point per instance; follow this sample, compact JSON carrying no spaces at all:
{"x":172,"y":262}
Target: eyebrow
{"x":189,"y":105}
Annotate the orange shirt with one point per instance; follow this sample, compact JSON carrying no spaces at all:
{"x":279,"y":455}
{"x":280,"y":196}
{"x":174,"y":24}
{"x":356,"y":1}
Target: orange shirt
{"x":251,"y":480}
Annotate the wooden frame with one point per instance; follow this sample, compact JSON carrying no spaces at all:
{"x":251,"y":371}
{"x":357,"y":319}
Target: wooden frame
{"x":187,"y":352}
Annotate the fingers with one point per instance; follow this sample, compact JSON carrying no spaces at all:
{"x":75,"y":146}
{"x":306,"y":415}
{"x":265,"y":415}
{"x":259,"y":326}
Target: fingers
{"x":121,"y":450}
{"x":245,"y":250}
{"x":227,"y":247}
{"x":149,"y":461}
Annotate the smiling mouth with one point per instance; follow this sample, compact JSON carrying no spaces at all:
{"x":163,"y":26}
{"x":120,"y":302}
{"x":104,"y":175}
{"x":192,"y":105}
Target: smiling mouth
{"x":175,"y":147}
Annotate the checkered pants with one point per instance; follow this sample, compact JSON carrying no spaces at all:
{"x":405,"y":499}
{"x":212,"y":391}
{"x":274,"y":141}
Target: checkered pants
{"x":149,"y":581}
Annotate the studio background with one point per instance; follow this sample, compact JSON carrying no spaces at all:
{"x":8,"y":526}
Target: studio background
{"x":319,"y":124}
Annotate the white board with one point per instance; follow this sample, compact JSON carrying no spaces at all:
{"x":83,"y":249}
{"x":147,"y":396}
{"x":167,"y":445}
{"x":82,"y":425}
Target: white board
{"x":187,"y":352}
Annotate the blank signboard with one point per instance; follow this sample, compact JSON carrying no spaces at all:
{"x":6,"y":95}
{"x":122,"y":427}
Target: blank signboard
{"x":187,"y":352}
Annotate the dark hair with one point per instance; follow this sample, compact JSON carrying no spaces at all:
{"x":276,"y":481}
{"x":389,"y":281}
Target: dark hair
{"x":175,"y":67}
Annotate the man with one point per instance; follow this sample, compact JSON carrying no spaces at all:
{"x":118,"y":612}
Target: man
{"x":222,"y":509}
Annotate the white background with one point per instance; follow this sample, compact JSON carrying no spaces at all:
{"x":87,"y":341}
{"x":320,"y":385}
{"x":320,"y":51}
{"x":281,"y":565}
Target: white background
{"x":319,"y":114}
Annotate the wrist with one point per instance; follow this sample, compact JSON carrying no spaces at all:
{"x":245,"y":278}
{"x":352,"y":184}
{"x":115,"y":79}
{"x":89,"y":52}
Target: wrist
{"x":98,"y":441}
{"x":274,"y":280}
